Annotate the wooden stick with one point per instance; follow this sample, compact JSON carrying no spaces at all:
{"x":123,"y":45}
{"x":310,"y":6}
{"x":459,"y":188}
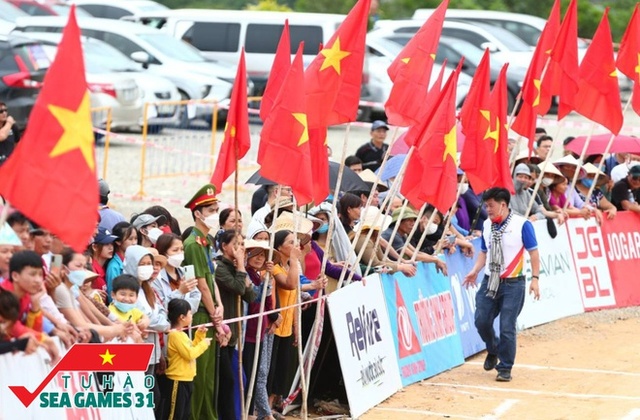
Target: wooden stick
{"x":424,"y":235}
{"x":572,"y":188}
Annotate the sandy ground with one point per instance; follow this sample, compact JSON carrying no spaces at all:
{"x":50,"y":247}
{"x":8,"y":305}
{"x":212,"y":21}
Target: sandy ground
{"x":583,"y":367}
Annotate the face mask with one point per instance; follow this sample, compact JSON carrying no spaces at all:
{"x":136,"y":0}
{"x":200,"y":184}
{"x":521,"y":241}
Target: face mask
{"x":124,"y":307}
{"x":153,"y":234}
{"x":175,"y":260}
{"x":498,"y":218}
{"x":76,"y":277}
{"x":547,"y":181}
{"x":518,"y":185}
{"x":212,"y":221}
{"x":145,"y":272}
{"x":432,"y":228}
{"x":587,"y":182}
{"x":464,"y":188}
{"x":324,"y":228}
{"x":165,"y":229}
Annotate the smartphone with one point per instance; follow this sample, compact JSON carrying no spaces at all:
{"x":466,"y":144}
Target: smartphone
{"x":451,"y":239}
{"x":189,"y":272}
{"x":56,"y":263}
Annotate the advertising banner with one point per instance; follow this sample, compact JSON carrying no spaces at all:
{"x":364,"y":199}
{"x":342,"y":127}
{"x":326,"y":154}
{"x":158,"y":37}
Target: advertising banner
{"x":592,"y":268}
{"x":622,"y":243}
{"x":423,"y":323}
{"x":559,"y":290}
{"x":365,"y":344}
{"x":464,"y":299}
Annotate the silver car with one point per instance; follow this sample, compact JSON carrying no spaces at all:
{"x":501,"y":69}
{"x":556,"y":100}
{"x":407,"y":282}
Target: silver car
{"x":161,"y":54}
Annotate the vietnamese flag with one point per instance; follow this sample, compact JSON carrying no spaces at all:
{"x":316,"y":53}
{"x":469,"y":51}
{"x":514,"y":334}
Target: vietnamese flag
{"x":237,"y":137}
{"x":285,"y":137}
{"x":411,"y":71}
{"x":562,"y":77}
{"x":533,"y":103}
{"x":436,"y":153}
{"x":628,"y":60}
{"x":319,"y":163}
{"x":598,"y":96}
{"x":51,"y":175}
{"x":481,"y":127}
{"x":500,"y":159}
{"x":108,"y":357}
{"x":333,"y":80}
{"x":281,"y":64}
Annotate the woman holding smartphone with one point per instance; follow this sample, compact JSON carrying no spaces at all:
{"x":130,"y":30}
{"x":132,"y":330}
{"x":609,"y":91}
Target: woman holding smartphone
{"x":172,"y":282}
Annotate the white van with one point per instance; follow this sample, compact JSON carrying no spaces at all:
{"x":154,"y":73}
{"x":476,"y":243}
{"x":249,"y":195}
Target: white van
{"x":220,"y":34}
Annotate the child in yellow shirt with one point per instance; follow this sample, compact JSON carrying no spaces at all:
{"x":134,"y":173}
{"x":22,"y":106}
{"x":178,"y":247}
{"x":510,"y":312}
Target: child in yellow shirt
{"x":181,"y":359}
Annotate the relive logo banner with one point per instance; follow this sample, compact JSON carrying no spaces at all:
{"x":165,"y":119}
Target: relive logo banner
{"x":365,"y":344}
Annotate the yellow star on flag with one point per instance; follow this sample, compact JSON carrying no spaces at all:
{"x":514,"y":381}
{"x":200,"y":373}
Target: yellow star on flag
{"x":637,"y":68}
{"x":107,"y":357}
{"x":495,"y":134}
{"x":614,"y":73}
{"x":333,"y":56}
{"x":537,"y":83}
{"x":450,"y":145}
{"x":78,"y":131}
{"x":406,"y":60}
{"x":302,"y":119}
{"x":232,"y":132}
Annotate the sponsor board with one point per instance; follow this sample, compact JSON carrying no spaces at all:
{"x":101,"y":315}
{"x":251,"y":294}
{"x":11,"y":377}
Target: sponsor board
{"x":559,"y":290}
{"x":423,"y":323}
{"x":592,"y":268}
{"x":365,"y":344}
{"x":622,"y":244}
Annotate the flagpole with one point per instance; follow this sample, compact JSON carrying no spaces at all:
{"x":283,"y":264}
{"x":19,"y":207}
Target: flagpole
{"x":413,"y":231}
{"x":545,"y":163}
{"x":356,"y":236}
{"x":303,"y":379}
{"x":405,"y":203}
{"x":238,"y":300}
{"x":606,"y":152}
{"x":263,"y":299}
{"x":394,"y":186}
{"x":452,"y":212}
{"x":577,"y":171}
{"x":424,"y":235}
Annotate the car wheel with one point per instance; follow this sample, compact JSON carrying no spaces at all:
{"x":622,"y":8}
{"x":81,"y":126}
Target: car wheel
{"x":184,"y":121}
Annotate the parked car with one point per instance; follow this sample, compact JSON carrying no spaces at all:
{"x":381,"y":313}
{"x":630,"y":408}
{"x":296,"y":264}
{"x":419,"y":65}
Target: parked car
{"x":381,"y":53}
{"x":116,"y":9}
{"x":101,"y":58}
{"x":159,"y":53}
{"x":8,"y":15}
{"x":453,"y":50}
{"x":23,"y":64}
{"x":502,"y":44}
{"x":46,"y":8}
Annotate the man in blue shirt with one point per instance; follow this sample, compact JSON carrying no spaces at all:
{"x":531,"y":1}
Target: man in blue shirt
{"x":505,"y":238}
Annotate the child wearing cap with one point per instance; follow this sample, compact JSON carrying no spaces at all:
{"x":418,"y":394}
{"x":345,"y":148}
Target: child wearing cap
{"x":101,"y":253}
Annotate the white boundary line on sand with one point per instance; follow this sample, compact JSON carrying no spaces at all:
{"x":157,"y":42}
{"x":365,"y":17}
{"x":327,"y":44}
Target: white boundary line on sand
{"x":424,"y":412}
{"x":582,"y":370}
{"x":501,"y":409}
{"x":532,"y":392}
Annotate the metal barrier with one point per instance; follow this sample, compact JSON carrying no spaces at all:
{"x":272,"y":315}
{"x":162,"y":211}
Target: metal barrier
{"x":101,"y":119}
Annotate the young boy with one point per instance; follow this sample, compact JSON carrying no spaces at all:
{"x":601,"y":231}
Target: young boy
{"x":124,"y":295}
{"x":181,"y":354}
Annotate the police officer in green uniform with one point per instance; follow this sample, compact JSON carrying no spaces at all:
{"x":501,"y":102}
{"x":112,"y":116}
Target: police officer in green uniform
{"x":198,"y":251}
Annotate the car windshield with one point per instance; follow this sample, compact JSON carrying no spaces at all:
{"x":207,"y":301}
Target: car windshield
{"x":470,"y":52}
{"x":173,"y":47}
{"x":102,"y":58}
{"x":10,"y":12}
{"x":64,"y":9}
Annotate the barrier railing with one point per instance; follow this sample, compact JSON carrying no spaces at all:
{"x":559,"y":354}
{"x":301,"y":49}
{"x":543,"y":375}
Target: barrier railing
{"x":101,"y":119}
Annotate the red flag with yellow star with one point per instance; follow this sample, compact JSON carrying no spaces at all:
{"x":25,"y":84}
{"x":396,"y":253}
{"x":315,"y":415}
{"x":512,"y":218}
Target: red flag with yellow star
{"x":628,"y":60}
{"x":410,"y":72}
{"x":500,"y":159}
{"x":319,"y":163}
{"x":333,"y":80}
{"x":432,"y":169}
{"x":51,"y":175}
{"x":281,"y":63}
{"x":598,"y":96}
{"x":532,"y":102}
{"x":561,"y":77}
{"x":285,"y":137}
{"x":108,"y":357}
{"x":480,"y":127}
{"x":237,"y":137}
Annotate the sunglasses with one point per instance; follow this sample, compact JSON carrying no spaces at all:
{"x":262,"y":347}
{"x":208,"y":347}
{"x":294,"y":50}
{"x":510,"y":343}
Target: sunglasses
{"x":636,"y":177}
{"x":3,"y":110}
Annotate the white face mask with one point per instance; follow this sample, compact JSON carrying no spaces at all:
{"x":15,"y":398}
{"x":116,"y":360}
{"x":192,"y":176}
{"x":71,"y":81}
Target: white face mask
{"x":145,"y":272}
{"x":432,"y":228}
{"x":464,"y":188}
{"x":547,"y":181}
{"x":153,"y":234}
{"x":212,"y":221}
{"x":175,"y":260}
